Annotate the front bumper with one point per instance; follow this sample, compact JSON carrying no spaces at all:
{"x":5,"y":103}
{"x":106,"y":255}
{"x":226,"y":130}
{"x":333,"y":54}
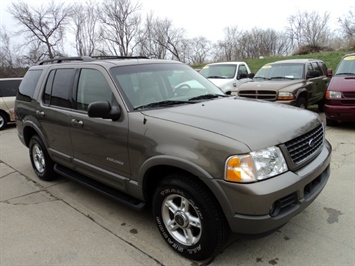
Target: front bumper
{"x":264,"y":206}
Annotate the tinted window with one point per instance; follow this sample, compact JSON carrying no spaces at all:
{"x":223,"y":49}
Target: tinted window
{"x":92,"y":87}
{"x":61,"y":87}
{"x":316,"y":67}
{"x":9,"y":87}
{"x":29,"y":84}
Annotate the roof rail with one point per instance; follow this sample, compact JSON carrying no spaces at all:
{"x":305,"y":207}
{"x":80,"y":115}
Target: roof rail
{"x":87,"y":59}
{"x":67,"y":59}
{"x":103,"y":57}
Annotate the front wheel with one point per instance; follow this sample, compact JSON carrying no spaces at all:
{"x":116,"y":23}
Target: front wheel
{"x":42,"y":164}
{"x":301,"y":103}
{"x":3,"y":121}
{"x":189,"y":218}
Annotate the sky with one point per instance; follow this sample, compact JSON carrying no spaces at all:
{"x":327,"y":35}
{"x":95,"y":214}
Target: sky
{"x":209,"y":18}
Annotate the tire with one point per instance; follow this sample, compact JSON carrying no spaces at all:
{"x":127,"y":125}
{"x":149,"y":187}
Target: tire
{"x":3,"y":121}
{"x":331,"y":123}
{"x":301,"y":103}
{"x":183,"y":209}
{"x":42,"y":164}
{"x":321,"y":104}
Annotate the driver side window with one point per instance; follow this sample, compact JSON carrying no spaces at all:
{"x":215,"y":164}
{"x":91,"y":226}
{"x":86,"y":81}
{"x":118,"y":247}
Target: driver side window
{"x":92,"y":87}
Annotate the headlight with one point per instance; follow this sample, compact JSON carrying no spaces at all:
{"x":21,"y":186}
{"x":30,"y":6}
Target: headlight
{"x":333,"y":95}
{"x":257,"y":165}
{"x":285,"y":96}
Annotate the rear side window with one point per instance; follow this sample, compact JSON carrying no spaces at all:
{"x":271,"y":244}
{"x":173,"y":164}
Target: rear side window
{"x":58,"y":87}
{"x":28,"y":85}
{"x":9,"y":88}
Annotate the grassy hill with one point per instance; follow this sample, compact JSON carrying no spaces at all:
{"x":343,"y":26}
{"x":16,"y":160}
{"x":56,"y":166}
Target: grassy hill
{"x":331,"y":59}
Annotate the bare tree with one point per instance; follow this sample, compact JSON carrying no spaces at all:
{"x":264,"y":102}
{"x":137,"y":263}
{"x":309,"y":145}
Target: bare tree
{"x":44,"y":24}
{"x":348,"y":27}
{"x":121,"y":20}
{"x":170,"y":38}
{"x":200,"y":48}
{"x":86,"y":27}
{"x":147,"y":43}
{"x":309,"y":29}
{"x":227,"y":49}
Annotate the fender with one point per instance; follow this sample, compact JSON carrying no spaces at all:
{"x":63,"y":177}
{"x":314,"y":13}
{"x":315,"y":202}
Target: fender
{"x":200,"y":173}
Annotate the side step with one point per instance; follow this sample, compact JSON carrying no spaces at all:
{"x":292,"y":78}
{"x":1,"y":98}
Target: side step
{"x":117,"y":195}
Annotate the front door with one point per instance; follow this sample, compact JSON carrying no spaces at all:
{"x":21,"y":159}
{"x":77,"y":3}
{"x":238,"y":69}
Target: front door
{"x":99,"y":145}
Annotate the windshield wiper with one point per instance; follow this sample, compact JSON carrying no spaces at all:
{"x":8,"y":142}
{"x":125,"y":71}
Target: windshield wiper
{"x":161,"y":103}
{"x":345,"y":74}
{"x":215,"y":77}
{"x":207,"y":96}
{"x":280,"y":78}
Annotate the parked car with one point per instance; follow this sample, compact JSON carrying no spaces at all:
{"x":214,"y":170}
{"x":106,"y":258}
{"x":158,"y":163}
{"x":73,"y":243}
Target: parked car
{"x":298,"y":82}
{"x":340,"y":95}
{"x":228,"y":76}
{"x":128,"y":127}
{"x":8,"y":91}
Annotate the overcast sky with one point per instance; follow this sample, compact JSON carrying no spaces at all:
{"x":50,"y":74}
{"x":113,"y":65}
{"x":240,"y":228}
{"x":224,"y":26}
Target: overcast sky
{"x":208,"y":18}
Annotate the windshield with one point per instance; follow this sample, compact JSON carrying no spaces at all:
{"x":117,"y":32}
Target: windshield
{"x":281,"y":71}
{"x":219,"y":71}
{"x":162,"y":85}
{"x":346,"y":67}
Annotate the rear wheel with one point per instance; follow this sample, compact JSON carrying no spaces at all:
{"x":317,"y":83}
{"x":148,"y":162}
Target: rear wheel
{"x":189,"y":218}
{"x":42,"y":164}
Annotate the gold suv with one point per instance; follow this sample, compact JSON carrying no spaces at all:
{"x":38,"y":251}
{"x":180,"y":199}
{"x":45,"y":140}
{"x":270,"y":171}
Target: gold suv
{"x":8,"y":91}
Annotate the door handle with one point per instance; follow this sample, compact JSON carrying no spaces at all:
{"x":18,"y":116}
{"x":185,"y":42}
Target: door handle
{"x":77,"y":123}
{"x":40,"y":113}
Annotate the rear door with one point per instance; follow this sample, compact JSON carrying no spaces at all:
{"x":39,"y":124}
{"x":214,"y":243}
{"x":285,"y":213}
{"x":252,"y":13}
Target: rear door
{"x":99,"y":145}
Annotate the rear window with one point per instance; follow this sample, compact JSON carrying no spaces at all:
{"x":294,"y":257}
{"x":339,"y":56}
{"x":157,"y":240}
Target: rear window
{"x":28,"y":85}
{"x":9,"y":88}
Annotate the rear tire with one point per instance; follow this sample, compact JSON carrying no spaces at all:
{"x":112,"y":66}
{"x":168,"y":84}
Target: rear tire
{"x":189,"y":218}
{"x":41,"y":162}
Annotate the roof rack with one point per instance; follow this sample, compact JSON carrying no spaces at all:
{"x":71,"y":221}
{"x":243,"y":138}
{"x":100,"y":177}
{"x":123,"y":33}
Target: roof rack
{"x":87,"y":59}
{"x":66,"y":59}
{"x":103,"y":57}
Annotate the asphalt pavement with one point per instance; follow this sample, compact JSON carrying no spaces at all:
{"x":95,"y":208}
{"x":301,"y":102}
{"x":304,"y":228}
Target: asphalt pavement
{"x":63,"y":223}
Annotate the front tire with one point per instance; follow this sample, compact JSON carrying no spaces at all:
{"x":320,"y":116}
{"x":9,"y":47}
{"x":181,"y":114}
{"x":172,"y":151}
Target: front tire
{"x":3,"y":121}
{"x":189,"y":218}
{"x":301,"y":103}
{"x":41,"y":162}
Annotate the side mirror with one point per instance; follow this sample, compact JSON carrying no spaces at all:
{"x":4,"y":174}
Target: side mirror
{"x":251,"y":75}
{"x":313,"y":74}
{"x":242,"y":76}
{"x":329,"y":73}
{"x":104,"y":110}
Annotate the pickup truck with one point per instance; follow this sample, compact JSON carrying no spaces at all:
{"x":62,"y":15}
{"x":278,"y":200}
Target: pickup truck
{"x":228,"y":76}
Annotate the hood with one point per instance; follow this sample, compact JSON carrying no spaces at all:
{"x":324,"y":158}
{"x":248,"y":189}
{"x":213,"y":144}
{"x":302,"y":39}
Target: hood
{"x":257,"y":124}
{"x":342,"y":83}
{"x":269,"y":84}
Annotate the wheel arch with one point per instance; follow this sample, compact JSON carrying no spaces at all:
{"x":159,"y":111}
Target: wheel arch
{"x":29,"y":130}
{"x":158,"y":168}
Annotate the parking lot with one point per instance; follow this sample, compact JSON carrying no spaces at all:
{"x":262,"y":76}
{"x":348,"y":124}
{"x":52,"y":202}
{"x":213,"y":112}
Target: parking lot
{"x":63,"y":223}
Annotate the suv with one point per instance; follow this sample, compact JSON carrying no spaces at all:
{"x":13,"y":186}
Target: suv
{"x":228,"y":76}
{"x":132,"y":129}
{"x":298,"y":82}
{"x":8,"y":91}
{"x":340,"y":95}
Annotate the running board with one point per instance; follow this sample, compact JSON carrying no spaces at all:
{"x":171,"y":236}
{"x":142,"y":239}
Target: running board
{"x":117,"y":195}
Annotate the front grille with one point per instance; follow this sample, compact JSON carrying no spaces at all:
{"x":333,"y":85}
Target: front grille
{"x":262,"y":95}
{"x":349,"y":94}
{"x":302,"y":148}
